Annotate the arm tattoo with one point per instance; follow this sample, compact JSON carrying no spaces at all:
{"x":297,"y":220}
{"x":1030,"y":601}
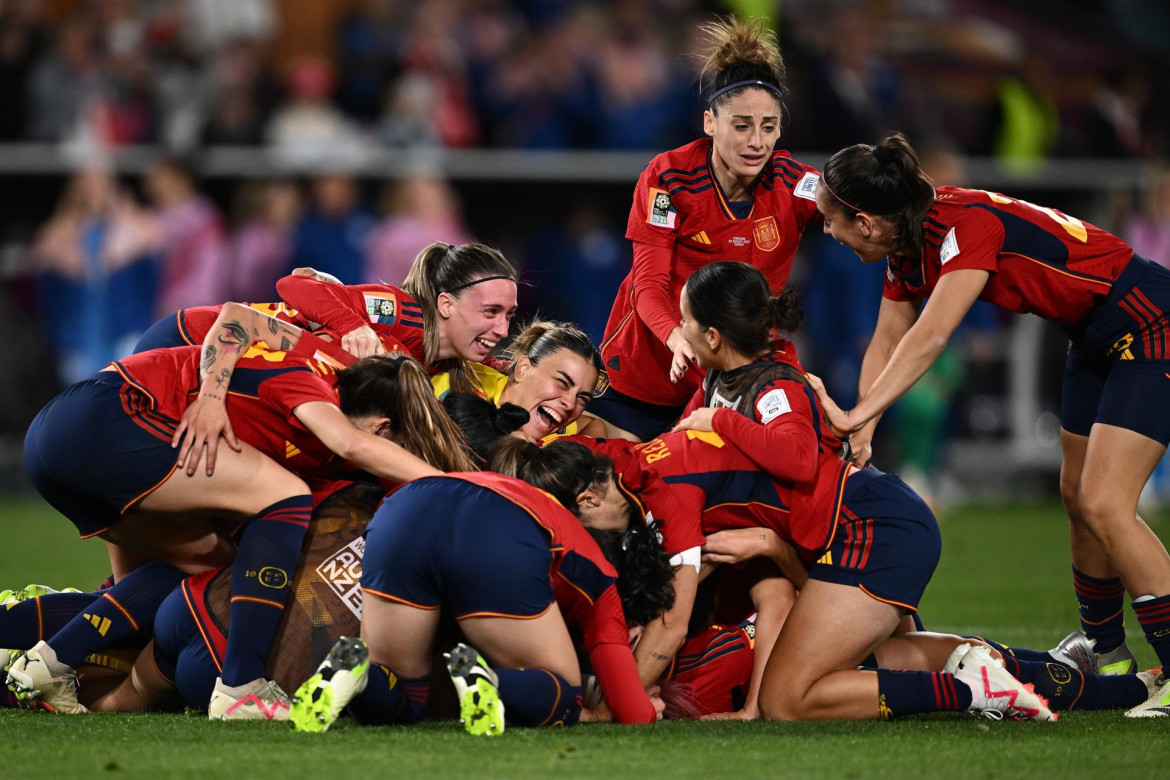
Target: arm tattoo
{"x":285,"y":343}
{"x":234,"y":335}
{"x":208,"y":360}
{"x":224,"y":378}
{"x":273,"y":326}
{"x":659,"y":656}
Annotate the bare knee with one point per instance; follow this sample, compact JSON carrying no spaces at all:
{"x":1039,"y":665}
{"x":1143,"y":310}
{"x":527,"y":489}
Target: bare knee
{"x":786,"y":703}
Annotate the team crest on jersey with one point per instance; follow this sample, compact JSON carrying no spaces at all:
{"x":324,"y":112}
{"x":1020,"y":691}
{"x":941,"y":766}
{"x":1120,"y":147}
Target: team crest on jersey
{"x":602,"y":384}
{"x":766,"y":234}
{"x":342,"y":572}
{"x":662,"y":214}
{"x":380,"y":308}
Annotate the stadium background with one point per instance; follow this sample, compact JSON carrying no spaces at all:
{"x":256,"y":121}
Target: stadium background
{"x":525,"y":123}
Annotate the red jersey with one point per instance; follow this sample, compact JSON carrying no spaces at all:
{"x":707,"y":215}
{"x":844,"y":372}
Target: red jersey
{"x":712,"y":672}
{"x":393,"y":314}
{"x":767,"y":409}
{"x":1040,"y":260}
{"x":585,"y":586}
{"x":698,"y":483}
{"x":265,"y":388}
{"x":681,"y":221}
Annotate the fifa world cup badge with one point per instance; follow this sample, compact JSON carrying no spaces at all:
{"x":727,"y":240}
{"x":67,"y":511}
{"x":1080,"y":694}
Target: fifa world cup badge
{"x":766,"y":234}
{"x":661,"y":212}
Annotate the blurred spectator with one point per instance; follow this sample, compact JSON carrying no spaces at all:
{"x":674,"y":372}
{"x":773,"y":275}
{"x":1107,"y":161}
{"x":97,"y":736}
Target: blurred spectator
{"x":209,"y":25}
{"x":189,"y":238}
{"x":243,"y":95}
{"x":582,"y":259}
{"x":334,"y":234}
{"x":20,"y":47}
{"x":418,"y":211}
{"x":309,"y":125}
{"x":1029,"y":126}
{"x":1118,"y":126}
{"x":95,"y":279}
{"x":64,"y":83}
{"x":433,"y":51}
{"x":1148,"y":229}
{"x":262,"y":245}
{"x":368,"y":43}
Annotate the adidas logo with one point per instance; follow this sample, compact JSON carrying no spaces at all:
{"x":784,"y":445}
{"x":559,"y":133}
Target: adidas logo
{"x":290,"y":450}
{"x":102,"y":624}
{"x":701,"y":237}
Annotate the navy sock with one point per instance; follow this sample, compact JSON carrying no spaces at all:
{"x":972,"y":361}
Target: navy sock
{"x":1102,"y":604}
{"x":1068,"y":688}
{"x":906,"y":692}
{"x":1154,"y":616}
{"x":24,"y":624}
{"x":261,"y":580}
{"x":1018,"y":653}
{"x":389,"y":699}
{"x":535,"y":697}
{"x":118,"y":613}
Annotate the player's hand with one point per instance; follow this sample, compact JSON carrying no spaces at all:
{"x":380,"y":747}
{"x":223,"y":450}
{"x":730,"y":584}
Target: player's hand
{"x":313,"y":273}
{"x":861,"y":448}
{"x":204,"y":422}
{"x":683,"y":357}
{"x":838,"y":419}
{"x":362,"y":342}
{"x":699,"y":420}
{"x":739,"y":544}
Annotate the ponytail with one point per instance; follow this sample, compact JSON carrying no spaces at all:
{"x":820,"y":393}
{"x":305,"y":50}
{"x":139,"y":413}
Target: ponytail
{"x":735,"y":299}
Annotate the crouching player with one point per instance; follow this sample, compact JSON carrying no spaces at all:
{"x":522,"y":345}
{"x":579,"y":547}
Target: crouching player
{"x":517,"y":568}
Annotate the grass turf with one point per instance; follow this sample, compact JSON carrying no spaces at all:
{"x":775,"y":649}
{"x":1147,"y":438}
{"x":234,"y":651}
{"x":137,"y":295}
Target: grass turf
{"x":1004,"y":574}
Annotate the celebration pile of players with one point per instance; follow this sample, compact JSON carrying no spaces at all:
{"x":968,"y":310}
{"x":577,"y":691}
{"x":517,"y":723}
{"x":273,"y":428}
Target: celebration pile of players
{"x":356,"y":489}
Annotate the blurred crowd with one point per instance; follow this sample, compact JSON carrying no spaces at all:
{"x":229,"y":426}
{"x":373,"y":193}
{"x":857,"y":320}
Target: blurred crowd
{"x":1017,"y":80}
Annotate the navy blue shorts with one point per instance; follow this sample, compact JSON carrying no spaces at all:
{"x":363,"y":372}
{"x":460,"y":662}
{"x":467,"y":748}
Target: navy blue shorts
{"x":1118,"y":367}
{"x":638,"y":417}
{"x":453,"y":543}
{"x":88,"y":457}
{"x":180,"y":652}
{"x":167,"y":332}
{"x":887,"y":541}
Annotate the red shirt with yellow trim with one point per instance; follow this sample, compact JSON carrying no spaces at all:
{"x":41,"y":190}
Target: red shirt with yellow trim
{"x":585,"y":586}
{"x":266,"y":387}
{"x":697,"y":483}
{"x":680,"y":221}
{"x":1040,"y":260}
{"x":769,"y":412}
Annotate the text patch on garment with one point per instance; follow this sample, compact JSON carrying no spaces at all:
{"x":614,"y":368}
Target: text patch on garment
{"x":949,"y":249}
{"x":807,"y":187}
{"x":342,"y":571}
{"x":771,"y":405}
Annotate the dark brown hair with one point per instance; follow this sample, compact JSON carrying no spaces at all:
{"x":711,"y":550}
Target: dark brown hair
{"x":741,"y":51}
{"x":735,"y":299}
{"x":884,"y":180}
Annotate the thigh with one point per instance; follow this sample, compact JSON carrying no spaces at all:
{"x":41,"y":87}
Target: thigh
{"x":1080,"y":394}
{"x":191,"y":543}
{"x":243,"y":484}
{"x":542,"y":642}
{"x":1134,"y":398}
{"x":399,"y":636}
{"x":832,"y":627}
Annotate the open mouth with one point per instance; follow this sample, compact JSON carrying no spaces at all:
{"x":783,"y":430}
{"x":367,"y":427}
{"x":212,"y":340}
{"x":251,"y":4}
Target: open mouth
{"x":485,"y":345}
{"x":548,"y":418}
{"x":752,"y":161}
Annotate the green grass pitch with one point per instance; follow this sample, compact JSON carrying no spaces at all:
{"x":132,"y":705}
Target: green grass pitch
{"x":1004,"y":574}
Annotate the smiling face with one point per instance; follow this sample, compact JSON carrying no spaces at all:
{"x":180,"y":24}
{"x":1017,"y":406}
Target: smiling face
{"x":554,"y":391}
{"x":472,"y":324}
{"x":744,"y":132}
{"x":870,"y":237}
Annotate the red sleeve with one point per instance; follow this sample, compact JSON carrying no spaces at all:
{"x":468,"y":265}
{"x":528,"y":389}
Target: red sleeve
{"x":653,"y":219}
{"x":332,"y":305}
{"x":786,"y":445}
{"x":607,"y":639}
{"x":973,"y":242}
{"x":289,"y":389}
{"x":679,"y":508}
{"x":893,"y":287}
{"x":651,"y":272}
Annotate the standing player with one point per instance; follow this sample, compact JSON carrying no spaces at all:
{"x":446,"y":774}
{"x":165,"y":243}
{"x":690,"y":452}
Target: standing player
{"x":730,"y":196}
{"x":958,"y":246}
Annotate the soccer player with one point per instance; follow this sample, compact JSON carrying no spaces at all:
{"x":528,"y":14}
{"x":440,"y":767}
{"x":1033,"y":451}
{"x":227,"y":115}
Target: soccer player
{"x":730,"y":196}
{"x":755,"y":393}
{"x":550,"y":370}
{"x":511,"y":560}
{"x":957,"y":246}
{"x":102,"y":454}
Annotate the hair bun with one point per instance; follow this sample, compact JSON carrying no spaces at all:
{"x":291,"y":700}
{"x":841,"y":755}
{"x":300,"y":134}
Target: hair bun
{"x":510,"y":417}
{"x":883,"y":155}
